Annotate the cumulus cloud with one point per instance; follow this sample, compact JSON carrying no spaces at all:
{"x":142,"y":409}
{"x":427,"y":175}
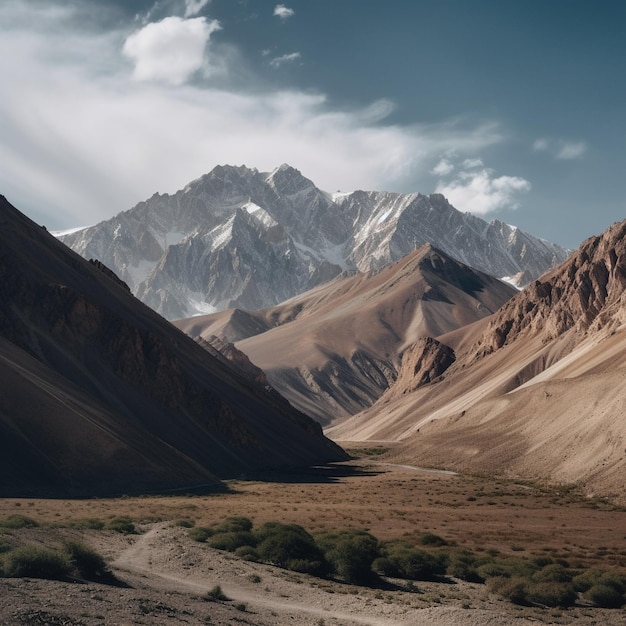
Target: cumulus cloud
{"x":171,"y":50}
{"x":443,"y":168}
{"x":476,"y":188}
{"x":193,"y":7}
{"x":82,"y":139}
{"x":285,"y":58}
{"x":283,"y":12}
{"x":560,"y":148}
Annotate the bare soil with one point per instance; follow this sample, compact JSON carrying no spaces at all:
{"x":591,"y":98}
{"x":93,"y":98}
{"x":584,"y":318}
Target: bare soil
{"x":165,"y":575}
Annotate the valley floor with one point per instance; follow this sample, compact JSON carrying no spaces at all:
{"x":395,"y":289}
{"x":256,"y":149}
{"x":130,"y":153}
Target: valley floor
{"x":167,"y":575}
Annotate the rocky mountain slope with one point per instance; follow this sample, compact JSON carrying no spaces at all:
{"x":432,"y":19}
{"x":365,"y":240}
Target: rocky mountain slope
{"x":241,"y":238}
{"x":100,"y":395}
{"x":535,"y":390}
{"x":335,"y":349}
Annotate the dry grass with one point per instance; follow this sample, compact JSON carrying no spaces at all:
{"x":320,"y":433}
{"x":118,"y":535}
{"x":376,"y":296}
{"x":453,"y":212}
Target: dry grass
{"x":478,"y":513}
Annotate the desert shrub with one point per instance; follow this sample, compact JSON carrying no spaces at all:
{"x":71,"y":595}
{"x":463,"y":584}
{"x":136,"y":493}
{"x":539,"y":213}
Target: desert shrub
{"x":465,"y":566}
{"x":231,"y":540}
{"x":402,"y":560}
{"x":87,"y":562}
{"x":122,"y":525}
{"x":551,"y":594}
{"x":290,"y":546}
{"x":36,"y":562}
{"x":90,"y":523}
{"x":493,"y":569}
{"x":216,"y":595}
{"x":14,"y":522}
{"x":200,"y":533}
{"x":592,"y":577}
{"x":185,"y":523}
{"x":553,"y":573}
{"x":350,"y":553}
{"x":513,"y":589}
{"x":233,"y":524}
{"x":247,"y":553}
{"x":430,"y":539}
{"x":605,"y":596}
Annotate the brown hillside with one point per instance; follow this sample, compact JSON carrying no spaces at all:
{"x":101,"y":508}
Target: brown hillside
{"x":99,"y":394}
{"x":335,"y":349}
{"x":538,"y":391}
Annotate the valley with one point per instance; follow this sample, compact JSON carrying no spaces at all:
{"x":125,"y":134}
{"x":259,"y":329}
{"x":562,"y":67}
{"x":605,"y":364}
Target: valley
{"x":169,"y":574}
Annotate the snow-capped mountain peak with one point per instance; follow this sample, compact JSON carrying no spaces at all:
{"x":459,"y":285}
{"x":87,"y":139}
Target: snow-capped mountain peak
{"x":250,"y":239}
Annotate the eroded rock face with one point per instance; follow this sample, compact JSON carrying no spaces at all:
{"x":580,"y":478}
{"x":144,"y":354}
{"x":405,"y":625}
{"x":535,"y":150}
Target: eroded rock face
{"x":422,"y":363}
{"x":586,"y":290}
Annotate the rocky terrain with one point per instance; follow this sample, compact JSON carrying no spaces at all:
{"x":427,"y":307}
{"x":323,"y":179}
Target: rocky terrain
{"x":101,"y":395}
{"x":336,"y":349}
{"x":240,"y":238}
{"x":535,"y":390}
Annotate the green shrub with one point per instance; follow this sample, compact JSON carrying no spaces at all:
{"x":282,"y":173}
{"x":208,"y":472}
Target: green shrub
{"x":551,"y":594}
{"x":605,"y":596}
{"x":291,"y":547}
{"x":216,"y":594}
{"x":513,"y":589}
{"x":87,"y":524}
{"x":233,"y":524}
{"x":350,"y":553}
{"x":200,"y":533}
{"x":553,"y":573}
{"x":36,"y":562}
{"x":464,"y":567}
{"x":15,"y":522}
{"x":401,"y":560}
{"x":122,"y":525}
{"x":430,"y":539}
{"x":247,"y":553}
{"x":185,"y":523}
{"x":87,"y":562}
{"x":232,"y":540}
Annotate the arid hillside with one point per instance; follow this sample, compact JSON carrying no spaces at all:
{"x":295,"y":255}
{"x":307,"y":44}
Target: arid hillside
{"x":99,"y":394}
{"x":537,"y":390}
{"x":335,"y":350}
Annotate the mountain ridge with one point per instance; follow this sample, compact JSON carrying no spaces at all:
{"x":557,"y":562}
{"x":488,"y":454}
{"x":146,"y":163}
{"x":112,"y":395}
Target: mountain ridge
{"x":240,"y":238}
{"x":104,"y":396}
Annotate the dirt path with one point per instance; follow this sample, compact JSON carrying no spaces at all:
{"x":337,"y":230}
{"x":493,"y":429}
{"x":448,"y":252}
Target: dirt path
{"x":168,"y":560}
{"x":146,"y":552}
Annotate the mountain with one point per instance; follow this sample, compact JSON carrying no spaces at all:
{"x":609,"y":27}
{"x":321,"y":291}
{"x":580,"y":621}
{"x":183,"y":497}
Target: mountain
{"x":100,"y":395}
{"x":335,"y":349}
{"x":535,"y":390}
{"x":240,"y":238}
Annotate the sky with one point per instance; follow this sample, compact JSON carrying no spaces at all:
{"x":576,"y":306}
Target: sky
{"x":513,"y":109}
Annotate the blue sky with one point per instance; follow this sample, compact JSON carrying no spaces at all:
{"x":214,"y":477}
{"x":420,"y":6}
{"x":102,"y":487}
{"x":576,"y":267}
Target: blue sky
{"x":514,"y":109}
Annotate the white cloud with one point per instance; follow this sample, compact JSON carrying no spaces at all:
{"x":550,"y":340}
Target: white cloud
{"x":171,"y":50}
{"x":476,"y":189}
{"x":570,"y":150}
{"x":193,"y":7}
{"x":83,"y":140}
{"x":283,"y":12}
{"x":285,"y":58}
{"x":443,"y":168}
{"x":560,"y":148}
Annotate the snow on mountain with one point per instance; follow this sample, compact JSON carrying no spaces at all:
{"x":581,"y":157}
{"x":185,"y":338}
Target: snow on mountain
{"x":237,"y":237}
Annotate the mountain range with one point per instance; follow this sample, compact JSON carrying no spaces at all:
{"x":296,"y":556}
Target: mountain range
{"x":451,"y":368}
{"x":534,"y":390}
{"x":334,"y":350}
{"x":240,"y":238}
{"x":101,"y":395}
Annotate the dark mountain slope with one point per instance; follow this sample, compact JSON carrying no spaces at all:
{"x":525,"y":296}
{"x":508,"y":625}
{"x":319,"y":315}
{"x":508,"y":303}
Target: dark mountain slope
{"x":105,"y":395}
